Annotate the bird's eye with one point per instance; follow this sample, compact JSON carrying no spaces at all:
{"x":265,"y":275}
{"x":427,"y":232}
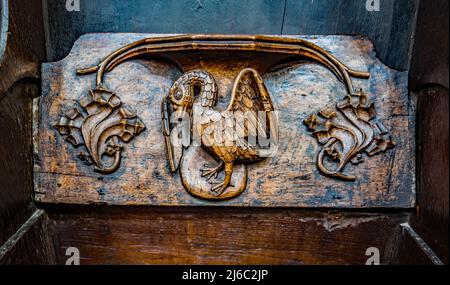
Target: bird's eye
{"x":178,"y":95}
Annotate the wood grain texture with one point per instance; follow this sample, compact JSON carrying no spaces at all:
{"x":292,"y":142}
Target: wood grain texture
{"x":288,"y":179}
{"x":24,"y":45}
{"x":16,"y":161}
{"x":391,"y":29}
{"x":432,"y":218}
{"x":429,"y":81}
{"x":23,"y":48}
{"x":134,"y":235}
{"x":429,"y":59}
{"x":404,"y":249}
{"x":128,"y":235}
{"x":31,"y":244}
{"x":160,"y":16}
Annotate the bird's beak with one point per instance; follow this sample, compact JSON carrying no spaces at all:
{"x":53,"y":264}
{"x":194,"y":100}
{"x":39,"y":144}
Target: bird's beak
{"x":183,"y":124}
{"x":181,"y":113}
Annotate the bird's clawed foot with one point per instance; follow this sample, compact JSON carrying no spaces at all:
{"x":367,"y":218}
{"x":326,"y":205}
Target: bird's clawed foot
{"x":209,"y":172}
{"x":219,"y":188}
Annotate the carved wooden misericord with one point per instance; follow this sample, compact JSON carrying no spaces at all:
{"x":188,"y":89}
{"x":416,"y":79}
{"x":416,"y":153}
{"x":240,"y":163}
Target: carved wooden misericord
{"x":237,"y":122}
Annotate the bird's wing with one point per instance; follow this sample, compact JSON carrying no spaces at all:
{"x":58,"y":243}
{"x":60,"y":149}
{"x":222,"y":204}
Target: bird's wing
{"x":250,"y":98}
{"x":173,"y":135}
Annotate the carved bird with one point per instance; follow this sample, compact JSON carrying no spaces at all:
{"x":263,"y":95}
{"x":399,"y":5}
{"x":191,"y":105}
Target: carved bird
{"x":237,"y":134}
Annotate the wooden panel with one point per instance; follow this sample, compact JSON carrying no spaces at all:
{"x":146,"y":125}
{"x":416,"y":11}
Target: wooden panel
{"x":118,"y":235}
{"x":429,"y":81}
{"x":429,"y":59}
{"x":431,"y":220}
{"x":22,"y":48}
{"x":160,"y":16}
{"x":31,"y":245}
{"x":23,"y":42}
{"x":391,"y":28}
{"x":20,"y":53}
{"x":405,"y":249}
{"x":384,"y":180}
{"x":15,"y":164}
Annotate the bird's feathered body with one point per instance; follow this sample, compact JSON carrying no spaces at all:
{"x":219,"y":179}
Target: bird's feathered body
{"x":233,"y":135}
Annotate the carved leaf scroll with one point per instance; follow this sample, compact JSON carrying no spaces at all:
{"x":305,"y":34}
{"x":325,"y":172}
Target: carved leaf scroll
{"x":99,"y":122}
{"x":345,"y":132}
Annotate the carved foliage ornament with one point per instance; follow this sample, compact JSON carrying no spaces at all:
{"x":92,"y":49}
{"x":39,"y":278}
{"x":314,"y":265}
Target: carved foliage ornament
{"x":345,"y":132}
{"x":101,"y":122}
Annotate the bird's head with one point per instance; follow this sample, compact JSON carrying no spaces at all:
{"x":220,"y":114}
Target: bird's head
{"x":181,"y":95}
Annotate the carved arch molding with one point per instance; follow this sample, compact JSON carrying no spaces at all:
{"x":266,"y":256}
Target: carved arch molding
{"x":238,"y":120}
